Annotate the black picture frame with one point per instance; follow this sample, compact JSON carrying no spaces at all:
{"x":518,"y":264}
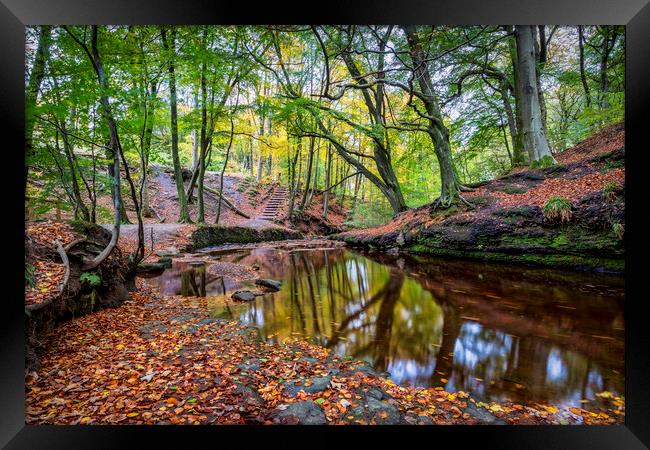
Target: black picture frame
{"x":15,"y":14}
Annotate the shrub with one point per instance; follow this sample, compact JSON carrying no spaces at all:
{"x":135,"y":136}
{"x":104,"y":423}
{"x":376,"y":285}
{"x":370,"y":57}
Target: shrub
{"x":30,"y":275}
{"x":558,"y":209}
{"x":619,"y":230}
{"x":609,"y":191}
{"x":90,"y":277}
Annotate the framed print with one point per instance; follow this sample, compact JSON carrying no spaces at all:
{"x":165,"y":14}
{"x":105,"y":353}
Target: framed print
{"x":400,"y":218}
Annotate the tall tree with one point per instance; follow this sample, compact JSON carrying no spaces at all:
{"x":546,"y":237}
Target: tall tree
{"x":436,"y":129}
{"x":33,"y":86}
{"x":170,"y":47}
{"x":534,"y":138}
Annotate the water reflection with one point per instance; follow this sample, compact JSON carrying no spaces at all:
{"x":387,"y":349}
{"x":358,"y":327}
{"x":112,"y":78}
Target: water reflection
{"x":502,"y":333}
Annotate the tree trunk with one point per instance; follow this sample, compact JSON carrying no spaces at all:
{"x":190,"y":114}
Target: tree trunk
{"x":204,"y":137}
{"x":170,"y":48}
{"x":310,"y":161}
{"x":450,"y":186}
{"x":583,"y":76}
{"x":535,"y":142}
{"x":328,"y":170}
{"x":33,"y":86}
{"x":519,"y":155}
{"x":115,"y":150}
{"x":223,"y":171}
{"x":292,"y":179}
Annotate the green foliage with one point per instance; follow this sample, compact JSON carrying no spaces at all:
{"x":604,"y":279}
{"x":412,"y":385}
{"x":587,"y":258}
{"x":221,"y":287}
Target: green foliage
{"x":619,"y":230}
{"x":90,"y":278}
{"x":609,"y":191}
{"x":30,"y":275}
{"x":558,"y":209}
{"x":544,"y":162}
{"x":370,"y":214}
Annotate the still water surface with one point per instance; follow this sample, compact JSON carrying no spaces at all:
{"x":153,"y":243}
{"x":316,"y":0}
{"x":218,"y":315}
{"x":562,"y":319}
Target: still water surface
{"x":496,"y":331}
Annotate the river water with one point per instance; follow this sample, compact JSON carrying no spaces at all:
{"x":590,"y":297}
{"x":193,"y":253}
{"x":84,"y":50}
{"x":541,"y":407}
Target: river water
{"x":496,"y":331}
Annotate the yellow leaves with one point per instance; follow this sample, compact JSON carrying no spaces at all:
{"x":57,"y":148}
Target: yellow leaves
{"x":605,"y":394}
{"x":133,"y":414}
{"x":119,"y":347}
{"x":495,"y":408}
{"x":84,"y":420}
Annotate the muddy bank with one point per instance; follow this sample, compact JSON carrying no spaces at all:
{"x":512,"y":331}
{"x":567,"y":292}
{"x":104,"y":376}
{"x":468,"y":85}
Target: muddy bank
{"x":79,"y":292}
{"x":507,"y":221}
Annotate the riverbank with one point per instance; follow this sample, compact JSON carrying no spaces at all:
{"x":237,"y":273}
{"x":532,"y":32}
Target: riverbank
{"x":161,"y":359}
{"x":516,"y":219}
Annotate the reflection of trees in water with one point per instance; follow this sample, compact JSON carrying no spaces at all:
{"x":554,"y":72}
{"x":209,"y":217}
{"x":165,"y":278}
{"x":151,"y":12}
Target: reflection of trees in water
{"x":189,"y":285}
{"x":369,"y":310}
{"x":385,"y":317}
{"x":445,"y":358}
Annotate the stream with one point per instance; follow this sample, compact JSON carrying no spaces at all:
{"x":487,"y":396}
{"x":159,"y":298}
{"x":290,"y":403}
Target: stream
{"x":496,"y":331}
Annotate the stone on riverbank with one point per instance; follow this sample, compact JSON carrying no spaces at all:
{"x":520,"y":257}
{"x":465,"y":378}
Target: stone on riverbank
{"x":300,"y":413}
{"x":271,"y":284}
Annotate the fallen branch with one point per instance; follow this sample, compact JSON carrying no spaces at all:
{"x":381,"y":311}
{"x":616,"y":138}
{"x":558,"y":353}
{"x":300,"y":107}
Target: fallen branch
{"x":227,"y":202}
{"x":73,"y":243}
{"x":66,"y":263}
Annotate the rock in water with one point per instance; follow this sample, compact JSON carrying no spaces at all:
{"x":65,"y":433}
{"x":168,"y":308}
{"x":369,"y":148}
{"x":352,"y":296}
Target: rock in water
{"x":271,"y":284}
{"x":170,"y":251}
{"x":300,"y":413}
{"x":243,"y":296}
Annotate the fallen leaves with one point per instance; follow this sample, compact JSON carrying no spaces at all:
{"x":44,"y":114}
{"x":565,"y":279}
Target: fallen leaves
{"x":103,"y":369}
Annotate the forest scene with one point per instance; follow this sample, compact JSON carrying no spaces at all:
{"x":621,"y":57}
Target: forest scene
{"x":325,"y":224}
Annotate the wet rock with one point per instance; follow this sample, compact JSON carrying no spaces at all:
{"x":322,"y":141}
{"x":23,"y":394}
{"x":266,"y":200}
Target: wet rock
{"x":376,"y":411}
{"x":166,"y":262}
{"x":243,"y":296}
{"x":365,"y":368}
{"x":181,"y":318}
{"x":318,"y":384}
{"x":153,"y":269}
{"x":271,"y":284}
{"x":211,"y":320}
{"x":377,"y":394}
{"x":482,"y":414}
{"x":308,"y":360}
{"x":249,"y":366}
{"x":300,"y":413}
{"x":250,"y":395}
{"x":146,"y":331}
{"x":382,"y":412}
{"x":413,"y":419}
{"x":169,"y":251}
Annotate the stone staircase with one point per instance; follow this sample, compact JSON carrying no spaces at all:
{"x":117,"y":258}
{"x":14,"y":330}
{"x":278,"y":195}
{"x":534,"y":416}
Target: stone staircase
{"x":275,"y":205}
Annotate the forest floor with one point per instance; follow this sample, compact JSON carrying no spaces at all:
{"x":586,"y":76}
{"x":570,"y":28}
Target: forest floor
{"x":576,"y":176}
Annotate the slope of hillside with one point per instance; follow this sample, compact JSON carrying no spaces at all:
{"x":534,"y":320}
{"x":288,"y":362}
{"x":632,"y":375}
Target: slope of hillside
{"x":507,"y":221}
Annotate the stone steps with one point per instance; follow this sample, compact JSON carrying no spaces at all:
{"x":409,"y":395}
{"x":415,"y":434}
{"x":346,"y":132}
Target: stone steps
{"x":274,"y":205}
